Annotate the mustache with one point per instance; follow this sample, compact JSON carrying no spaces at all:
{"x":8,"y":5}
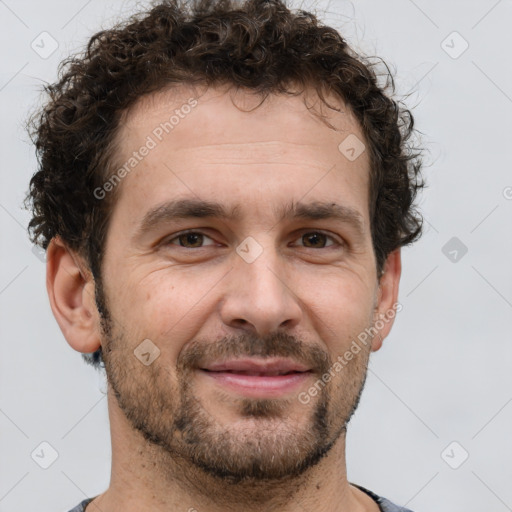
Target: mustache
{"x":198,"y":353}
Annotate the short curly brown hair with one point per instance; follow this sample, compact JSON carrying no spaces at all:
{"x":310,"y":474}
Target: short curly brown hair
{"x":261,"y":45}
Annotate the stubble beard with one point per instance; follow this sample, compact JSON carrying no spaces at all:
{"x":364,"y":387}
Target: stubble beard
{"x":266,"y":447}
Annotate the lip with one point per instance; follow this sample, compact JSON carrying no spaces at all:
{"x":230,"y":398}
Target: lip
{"x":258,"y":378}
{"x":257,"y":365}
{"x":258,"y":386}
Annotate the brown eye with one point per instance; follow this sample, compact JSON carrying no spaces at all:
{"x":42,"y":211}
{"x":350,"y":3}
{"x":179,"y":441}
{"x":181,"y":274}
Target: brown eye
{"x":315,"y":240}
{"x":189,"y":240}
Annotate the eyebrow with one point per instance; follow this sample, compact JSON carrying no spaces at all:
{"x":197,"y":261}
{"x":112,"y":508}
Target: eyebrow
{"x":201,"y":209}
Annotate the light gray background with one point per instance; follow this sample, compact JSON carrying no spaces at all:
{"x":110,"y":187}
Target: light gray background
{"x":443,"y":374}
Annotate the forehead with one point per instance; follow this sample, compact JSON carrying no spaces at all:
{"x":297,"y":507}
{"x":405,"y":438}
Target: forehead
{"x":218,"y":144}
{"x":219,"y":115}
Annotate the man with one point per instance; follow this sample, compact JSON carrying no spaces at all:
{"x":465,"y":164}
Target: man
{"x":223,"y":193}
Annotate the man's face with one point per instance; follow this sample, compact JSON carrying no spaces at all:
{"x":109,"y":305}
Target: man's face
{"x":259,"y":288}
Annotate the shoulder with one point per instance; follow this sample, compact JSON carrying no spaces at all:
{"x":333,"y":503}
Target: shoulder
{"x":81,"y":506}
{"x":384,"y":504}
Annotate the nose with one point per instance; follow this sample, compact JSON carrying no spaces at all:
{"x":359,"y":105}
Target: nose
{"x":260,"y":295}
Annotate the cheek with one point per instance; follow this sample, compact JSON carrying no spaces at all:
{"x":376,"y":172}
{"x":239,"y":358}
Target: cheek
{"x":169,"y":306}
{"x":340,"y":308}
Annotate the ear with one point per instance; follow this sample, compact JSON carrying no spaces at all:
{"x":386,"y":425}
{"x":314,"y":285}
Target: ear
{"x":70,"y":287}
{"x":387,"y":301}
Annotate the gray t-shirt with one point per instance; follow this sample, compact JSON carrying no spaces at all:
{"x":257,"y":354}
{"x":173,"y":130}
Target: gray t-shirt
{"x":384,"y":504}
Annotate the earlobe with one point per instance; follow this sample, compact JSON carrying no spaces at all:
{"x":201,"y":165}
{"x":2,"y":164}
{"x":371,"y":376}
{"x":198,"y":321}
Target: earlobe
{"x":70,"y":289}
{"x":386,"y":309}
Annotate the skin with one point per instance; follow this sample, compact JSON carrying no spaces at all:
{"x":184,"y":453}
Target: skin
{"x":303,"y":297}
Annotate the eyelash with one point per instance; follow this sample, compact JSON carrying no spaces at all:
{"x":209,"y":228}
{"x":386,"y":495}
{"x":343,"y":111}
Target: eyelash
{"x":178,"y":235}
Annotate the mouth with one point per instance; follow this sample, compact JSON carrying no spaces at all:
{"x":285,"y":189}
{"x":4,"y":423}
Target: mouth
{"x":258,"y":378}
{"x":268,"y":366}
{"x":252,"y":373}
